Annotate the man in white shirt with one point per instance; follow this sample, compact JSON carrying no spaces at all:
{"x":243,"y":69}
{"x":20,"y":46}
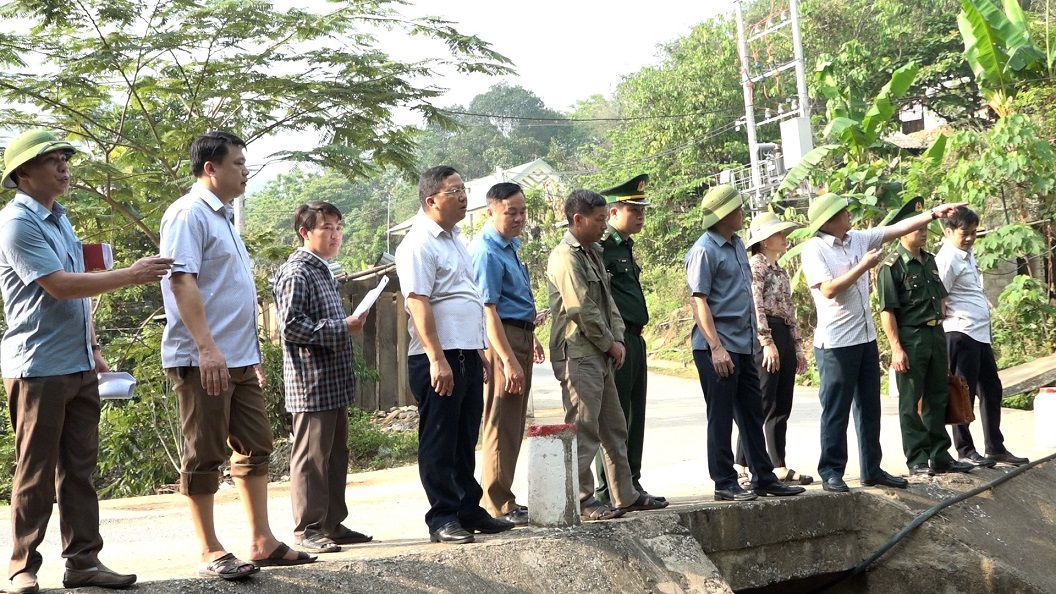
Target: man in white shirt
{"x":445,"y":358}
{"x":967,"y":327}
{"x":836,"y":264}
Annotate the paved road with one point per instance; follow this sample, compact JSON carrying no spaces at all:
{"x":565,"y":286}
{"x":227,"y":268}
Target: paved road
{"x":152,"y":535}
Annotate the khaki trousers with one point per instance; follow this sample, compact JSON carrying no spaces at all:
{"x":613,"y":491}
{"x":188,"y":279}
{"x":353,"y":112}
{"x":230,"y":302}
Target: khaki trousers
{"x":236,"y":416}
{"x":588,"y":392}
{"x":504,"y":419}
{"x":56,"y":422}
{"x":319,"y":471}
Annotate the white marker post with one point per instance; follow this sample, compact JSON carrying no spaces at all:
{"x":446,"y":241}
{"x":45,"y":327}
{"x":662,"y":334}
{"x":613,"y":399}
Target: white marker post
{"x":553,"y":475}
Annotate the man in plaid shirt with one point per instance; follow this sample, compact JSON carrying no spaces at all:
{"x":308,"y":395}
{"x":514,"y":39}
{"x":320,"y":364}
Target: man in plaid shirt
{"x":320,"y":380}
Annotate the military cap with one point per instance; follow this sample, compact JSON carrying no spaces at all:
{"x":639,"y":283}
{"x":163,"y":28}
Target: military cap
{"x":28,"y":145}
{"x":631,"y":191}
{"x":912,"y":207}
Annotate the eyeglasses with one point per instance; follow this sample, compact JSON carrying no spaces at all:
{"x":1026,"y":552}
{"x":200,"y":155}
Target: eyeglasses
{"x":455,"y":192}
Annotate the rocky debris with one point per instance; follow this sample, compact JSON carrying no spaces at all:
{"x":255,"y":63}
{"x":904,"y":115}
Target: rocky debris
{"x":397,"y":418}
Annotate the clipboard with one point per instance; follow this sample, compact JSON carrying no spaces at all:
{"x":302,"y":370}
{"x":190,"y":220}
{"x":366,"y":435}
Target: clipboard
{"x":370,"y":298}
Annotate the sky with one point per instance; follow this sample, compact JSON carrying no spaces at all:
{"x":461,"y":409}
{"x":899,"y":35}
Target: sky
{"x":562,"y":50}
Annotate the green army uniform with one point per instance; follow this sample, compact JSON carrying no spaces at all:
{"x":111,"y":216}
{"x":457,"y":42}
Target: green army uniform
{"x":627,"y":293}
{"x":913,"y":291}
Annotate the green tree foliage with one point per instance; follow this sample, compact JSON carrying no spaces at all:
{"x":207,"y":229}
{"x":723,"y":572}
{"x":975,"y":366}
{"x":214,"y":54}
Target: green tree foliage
{"x":504,"y":127}
{"x":368,"y":206}
{"x":132,"y":82}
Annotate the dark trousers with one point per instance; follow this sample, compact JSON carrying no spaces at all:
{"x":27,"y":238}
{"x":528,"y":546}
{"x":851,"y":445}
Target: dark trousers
{"x":319,"y":471}
{"x":448,"y":428}
{"x":736,"y":397}
{"x":849,"y":376}
{"x":631,"y":383}
{"x":56,"y":422}
{"x":777,"y":391}
{"x":974,"y":361}
{"x":924,"y":436}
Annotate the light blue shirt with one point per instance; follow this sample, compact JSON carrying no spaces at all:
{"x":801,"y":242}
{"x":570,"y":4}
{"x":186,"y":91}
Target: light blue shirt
{"x":196,"y":232}
{"x":501,"y":276}
{"x":719,"y":270}
{"x":45,"y":336}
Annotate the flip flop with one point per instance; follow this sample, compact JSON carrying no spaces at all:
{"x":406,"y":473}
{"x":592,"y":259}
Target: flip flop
{"x":646,"y":502}
{"x":790,"y":477}
{"x":227,"y":567}
{"x":277,"y":558}
{"x":345,"y":536}
{"x":318,"y":543}
{"x":600,"y":511}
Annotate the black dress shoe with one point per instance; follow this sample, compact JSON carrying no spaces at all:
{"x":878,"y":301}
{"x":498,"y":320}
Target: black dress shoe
{"x":778,"y":489}
{"x":1007,"y":458}
{"x":734,"y":494}
{"x":517,"y":516}
{"x":835,"y":484}
{"x":976,"y":459}
{"x":451,"y":533}
{"x":955,"y":466}
{"x":487,"y":525}
{"x":887,"y":480}
{"x":921,"y":469}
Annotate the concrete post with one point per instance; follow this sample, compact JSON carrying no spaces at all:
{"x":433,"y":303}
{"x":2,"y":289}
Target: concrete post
{"x":553,"y":475}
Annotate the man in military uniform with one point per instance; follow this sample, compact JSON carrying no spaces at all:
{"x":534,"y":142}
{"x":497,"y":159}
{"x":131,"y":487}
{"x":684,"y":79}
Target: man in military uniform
{"x":626,"y":204}
{"x":913,"y":304}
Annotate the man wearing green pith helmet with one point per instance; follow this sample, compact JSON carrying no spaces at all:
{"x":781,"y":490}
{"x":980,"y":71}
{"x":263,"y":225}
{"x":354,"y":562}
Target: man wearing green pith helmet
{"x":626,"y":204}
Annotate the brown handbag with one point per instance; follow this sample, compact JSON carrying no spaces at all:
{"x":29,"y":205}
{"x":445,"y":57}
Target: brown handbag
{"x":959,"y":410}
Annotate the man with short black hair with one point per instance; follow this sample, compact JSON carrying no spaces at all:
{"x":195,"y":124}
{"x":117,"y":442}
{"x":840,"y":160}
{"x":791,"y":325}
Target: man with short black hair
{"x":586,"y":347}
{"x":445,"y":360}
{"x":210,"y":353}
{"x":320,"y":379}
{"x":50,"y":359}
{"x":509,"y":312}
{"x":968,"y":338}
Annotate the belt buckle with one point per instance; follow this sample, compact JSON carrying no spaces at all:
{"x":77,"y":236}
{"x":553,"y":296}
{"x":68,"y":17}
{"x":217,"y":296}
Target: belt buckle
{"x":933,"y":322}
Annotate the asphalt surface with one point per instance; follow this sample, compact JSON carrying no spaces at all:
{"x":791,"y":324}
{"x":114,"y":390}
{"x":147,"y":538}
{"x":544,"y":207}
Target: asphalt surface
{"x":153,"y":537}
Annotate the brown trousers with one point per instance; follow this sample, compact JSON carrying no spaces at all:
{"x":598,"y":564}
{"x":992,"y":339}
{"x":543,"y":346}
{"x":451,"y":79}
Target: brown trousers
{"x":236,"y":416}
{"x":56,"y":421}
{"x":588,"y":392}
{"x":319,"y":471}
{"x":504,"y":419}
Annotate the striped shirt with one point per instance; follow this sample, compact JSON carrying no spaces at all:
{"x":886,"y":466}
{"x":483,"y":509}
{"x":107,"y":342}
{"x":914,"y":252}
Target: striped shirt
{"x":317,"y":355}
{"x":843,"y":320}
{"x":967,"y":310}
{"x":433,"y":263}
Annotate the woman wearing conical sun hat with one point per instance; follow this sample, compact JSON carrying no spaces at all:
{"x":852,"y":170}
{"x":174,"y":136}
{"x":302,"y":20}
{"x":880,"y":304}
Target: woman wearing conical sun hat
{"x":781,"y":357}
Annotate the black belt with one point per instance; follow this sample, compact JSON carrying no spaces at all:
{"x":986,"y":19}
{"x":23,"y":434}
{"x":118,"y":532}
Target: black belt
{"x":633,"y":329}
{"x":928,"y":324}
{"x":529,"y":326}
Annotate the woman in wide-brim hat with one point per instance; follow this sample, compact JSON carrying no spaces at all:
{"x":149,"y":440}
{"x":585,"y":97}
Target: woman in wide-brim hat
{"x":782,"y":355}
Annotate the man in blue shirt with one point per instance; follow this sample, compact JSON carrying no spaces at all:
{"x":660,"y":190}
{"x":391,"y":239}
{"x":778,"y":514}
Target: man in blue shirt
{"x":49,"y":356}
{"x":724,"y":346}
{"x":510,"y":318}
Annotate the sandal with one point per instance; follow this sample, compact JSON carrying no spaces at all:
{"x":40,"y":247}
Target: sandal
{"x":600,"y":511}
{"x":319,"y":543}
{"x":277,"y":558}
{"x":791,"y":476}
{"x":744,"y":480}
{"x":227,"y":567}
{"x":344,"y":536}
{"x":646,"y":502}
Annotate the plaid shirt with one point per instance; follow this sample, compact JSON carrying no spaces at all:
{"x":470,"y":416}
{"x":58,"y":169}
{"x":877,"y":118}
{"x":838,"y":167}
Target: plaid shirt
{"x":316,"y":346}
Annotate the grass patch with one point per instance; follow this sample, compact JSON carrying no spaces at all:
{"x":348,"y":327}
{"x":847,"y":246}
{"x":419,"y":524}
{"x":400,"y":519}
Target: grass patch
{"x":370,"y":448}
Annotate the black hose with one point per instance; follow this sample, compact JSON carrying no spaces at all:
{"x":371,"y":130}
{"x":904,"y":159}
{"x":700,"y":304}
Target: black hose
{"x":924,"y":517}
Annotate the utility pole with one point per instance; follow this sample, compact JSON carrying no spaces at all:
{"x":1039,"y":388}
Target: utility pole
{"x":798,"y":136}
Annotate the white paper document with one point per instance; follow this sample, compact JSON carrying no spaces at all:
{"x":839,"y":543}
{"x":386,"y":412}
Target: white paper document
{"x":371,"y":297}
{"x":116,"y":385}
